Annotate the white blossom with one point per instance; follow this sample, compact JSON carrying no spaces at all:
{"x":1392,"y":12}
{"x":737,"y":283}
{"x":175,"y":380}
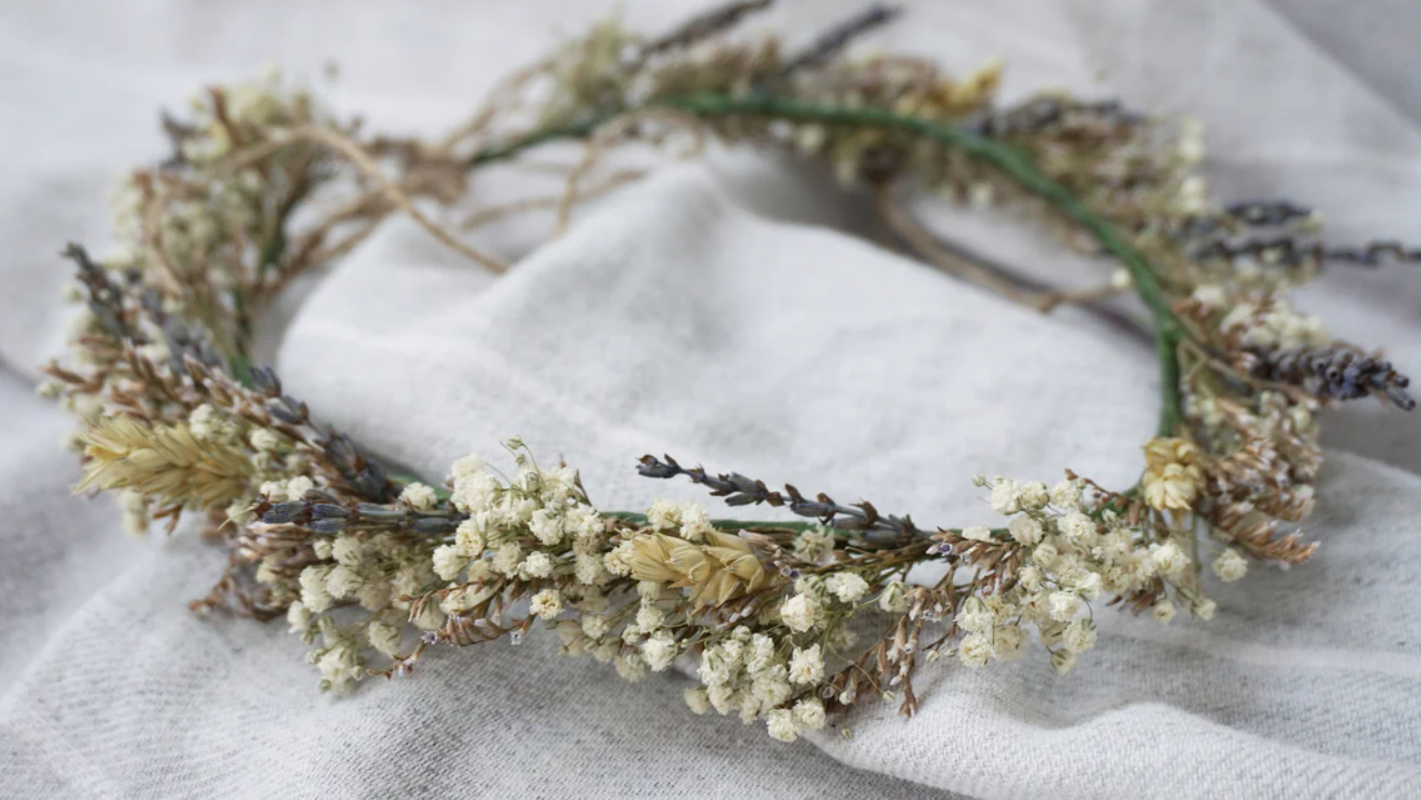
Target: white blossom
{"x":695,"y":522}
{"x":449,"y":561}
{"x":507,"y":559}
{"x":430,"y":617}
{"x":1063,"y":605}
{"x":298,"y":617}
{"x":1007,"y":642}
{"x":1230,"y":566}
{"x":977,"y":533}
{"x":1077,"y":527}
{"x":619,"y":561}
{"x":974,"y":617}
{"x":1006,"y":496}
{"x":313,"y":588}
{"x":474,"y":492}
{"x":1088,"y":585}
{"x":809,"y":713}
{"x":631,"y":667}
{"x":1030,"y":577}
{"x":465,"y":468}
{"x":298,"y":487}
{"x":663,"y":515}
{"x":1204,"y":609}
{"x":1163,"y":611}
{"x":1063,"y":661}
{"x":343,"y":581}
{"x":760,"y":654}
{"x":974,"y":650}
{"x":697,"y":700}
{"x":780,"y":721}
{"x":383,"y":637}
{"x":660,"y":650}
{"x":649,"y":617}
{"x":595,"y":625}
{"x":546,"y":527}
{"x":723,"y":697}
{"x":894,"y":598}
{"x":339,"y":667}
{"x":1026,"y":530}
{"x":847,"y":586}
{"x":1211,"y":294}
{"x":1079,"y":636}
{"x":1067,"y":494}
{"x":419,"y":496}
{"x":373,"y":595}
{"x":546,"y":604}
{"x":469,"y":536}
{"x":210,"y":425}
{"x":801,"y":612}
{"x":348,"y":551}
{"x":1169,"y":560}
{"x":771,"y":686}
{"x":1033,"y":496}
{"x":537,"y":565}
{"x":589,"y":569}
{"x":264,"y":440}
{"x":815,"y":546}
{"x":806,"y":666}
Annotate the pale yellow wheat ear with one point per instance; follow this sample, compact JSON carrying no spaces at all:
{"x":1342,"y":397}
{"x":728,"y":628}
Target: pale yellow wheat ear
{"x":722,"y":570}
{"x":163,"y":462}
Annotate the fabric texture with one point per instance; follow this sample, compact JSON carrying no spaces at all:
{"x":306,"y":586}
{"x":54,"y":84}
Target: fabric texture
{"x":707,"y":312}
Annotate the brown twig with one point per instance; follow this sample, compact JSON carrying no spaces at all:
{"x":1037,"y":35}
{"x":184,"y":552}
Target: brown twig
{"x":912,"y":232}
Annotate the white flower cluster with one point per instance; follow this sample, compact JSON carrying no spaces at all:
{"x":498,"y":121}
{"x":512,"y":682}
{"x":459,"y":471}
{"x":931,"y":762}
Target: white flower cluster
{"x":1076,"y":555}
{"x":522,"y":529}
{"x":1279,"y":326}
{"x":755,"y":675}
{"x":690,"y":520}
{"x":375,"y":573}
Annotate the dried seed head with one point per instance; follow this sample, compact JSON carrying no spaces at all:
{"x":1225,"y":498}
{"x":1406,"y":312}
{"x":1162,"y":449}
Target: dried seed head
{"x":1172,"y":476}
{"x":163,"y":462}
{"x":724,"y":568}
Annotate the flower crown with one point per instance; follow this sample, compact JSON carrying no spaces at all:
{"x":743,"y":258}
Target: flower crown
{"x":790,"y":621}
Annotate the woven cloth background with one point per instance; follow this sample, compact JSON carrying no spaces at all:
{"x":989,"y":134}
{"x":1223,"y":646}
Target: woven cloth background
{"x":708,"y":312}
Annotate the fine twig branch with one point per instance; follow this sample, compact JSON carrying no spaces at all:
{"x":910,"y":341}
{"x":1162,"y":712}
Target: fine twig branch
{"x":901,"y":223}
{"x":1169,"y":331}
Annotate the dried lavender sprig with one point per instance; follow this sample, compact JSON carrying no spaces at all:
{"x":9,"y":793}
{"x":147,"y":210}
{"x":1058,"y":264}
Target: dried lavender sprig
{"x":105,"y":297}
{"x":1266,"y":212}
{"x":364,"y":474}
{"x":1334,"y":373}
{"x":325,"y":513}
{"x":739,"y":490}
{"x":1289,"y":251}
{"x":1036,"y":115}
{"x":837,"y":37}
{"x":1250,"y":213}
{"x":185,"y":338}
{"x":702,"y":26}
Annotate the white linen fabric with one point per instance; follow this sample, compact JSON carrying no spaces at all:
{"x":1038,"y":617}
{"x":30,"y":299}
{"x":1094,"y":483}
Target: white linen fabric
{"x":698,"y":314}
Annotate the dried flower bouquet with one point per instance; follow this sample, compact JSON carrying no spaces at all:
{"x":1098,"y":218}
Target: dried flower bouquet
{"x":373,"y":570}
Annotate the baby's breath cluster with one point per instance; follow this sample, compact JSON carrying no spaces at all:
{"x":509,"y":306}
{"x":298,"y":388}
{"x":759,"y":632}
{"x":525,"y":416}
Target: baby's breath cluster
{"x":789,"y":622}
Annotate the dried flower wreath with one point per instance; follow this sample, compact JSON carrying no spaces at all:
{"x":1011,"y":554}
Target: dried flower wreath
{"x":174,"y":418}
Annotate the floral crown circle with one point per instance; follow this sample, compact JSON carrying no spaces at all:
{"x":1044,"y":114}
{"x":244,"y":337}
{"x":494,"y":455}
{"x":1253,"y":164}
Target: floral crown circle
{"x":374,"y":569}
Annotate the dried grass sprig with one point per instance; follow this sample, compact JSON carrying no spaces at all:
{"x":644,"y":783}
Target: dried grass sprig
{"x":166,"y":463}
